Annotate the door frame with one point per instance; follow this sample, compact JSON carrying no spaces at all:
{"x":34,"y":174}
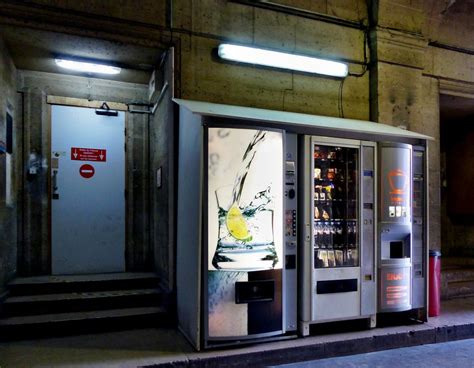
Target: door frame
{"x":92,"y":104}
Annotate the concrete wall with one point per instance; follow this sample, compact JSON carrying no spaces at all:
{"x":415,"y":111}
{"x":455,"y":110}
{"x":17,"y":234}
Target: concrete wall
{"x":9,"y":208}
{"x":407,"y":71}
{"x":206,"y":78}
{"x":163,"y":156}
{"x":34,"y":248}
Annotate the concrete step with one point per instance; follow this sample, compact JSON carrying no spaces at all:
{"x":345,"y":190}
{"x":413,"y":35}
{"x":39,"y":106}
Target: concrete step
{"x":83,"y":322}
{"x":82,"y":301}
{"x":460,"y":289}
{"x":82,"y":283}
{"x":447,"y":262}
{"x":457,"y":274}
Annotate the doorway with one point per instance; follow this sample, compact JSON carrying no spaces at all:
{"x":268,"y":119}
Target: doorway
{"x":87,"y":191}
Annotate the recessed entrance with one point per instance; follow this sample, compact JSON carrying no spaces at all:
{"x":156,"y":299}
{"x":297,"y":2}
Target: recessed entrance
{"x":87,"y":187}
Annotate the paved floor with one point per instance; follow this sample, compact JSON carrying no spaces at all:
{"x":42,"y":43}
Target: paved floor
{"x":458,"y":354}
{"x":160,"y":346}
{"x":117,"y":349}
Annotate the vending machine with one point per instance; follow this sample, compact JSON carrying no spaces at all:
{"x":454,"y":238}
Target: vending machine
{"x":402,"y":261}
{"x":395,"y":227}
{"x":237,"y":234}
{"x":338,"y":230}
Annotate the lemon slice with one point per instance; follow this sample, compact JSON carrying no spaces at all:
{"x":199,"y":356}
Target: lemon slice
{"x":236,"y":224}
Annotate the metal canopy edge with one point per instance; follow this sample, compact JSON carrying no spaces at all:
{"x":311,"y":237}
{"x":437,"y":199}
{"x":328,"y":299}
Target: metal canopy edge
{"x":296,"y":119}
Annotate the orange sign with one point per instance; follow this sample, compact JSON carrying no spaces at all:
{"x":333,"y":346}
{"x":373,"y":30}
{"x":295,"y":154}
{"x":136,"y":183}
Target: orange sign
{"x":398,"y":181}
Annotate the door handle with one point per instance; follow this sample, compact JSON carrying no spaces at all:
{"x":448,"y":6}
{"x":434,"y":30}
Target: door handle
{"x":55,"y":184}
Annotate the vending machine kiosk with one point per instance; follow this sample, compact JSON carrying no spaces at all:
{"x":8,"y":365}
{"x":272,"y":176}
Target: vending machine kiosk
{"x":279,"y":225}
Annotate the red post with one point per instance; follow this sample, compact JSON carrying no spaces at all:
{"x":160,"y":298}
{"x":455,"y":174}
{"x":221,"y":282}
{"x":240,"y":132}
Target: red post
{"x":434,"y":303}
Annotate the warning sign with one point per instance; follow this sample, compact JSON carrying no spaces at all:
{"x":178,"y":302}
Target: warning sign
{"x":87,"y":171}
{"x":88,"y":154}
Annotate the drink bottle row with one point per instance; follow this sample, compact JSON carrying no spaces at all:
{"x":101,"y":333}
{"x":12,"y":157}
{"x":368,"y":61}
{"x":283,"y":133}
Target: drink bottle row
{"x":335,"y":235}
{"x":335,"y":258}
{"x":336,"y":211}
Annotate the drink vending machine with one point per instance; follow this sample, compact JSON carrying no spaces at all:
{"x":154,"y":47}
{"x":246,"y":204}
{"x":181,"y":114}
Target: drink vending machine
{"x":402,"y":261}
{"x":287,"y":220}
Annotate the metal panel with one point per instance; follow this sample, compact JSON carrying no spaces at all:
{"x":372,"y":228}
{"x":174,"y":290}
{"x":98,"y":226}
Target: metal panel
{"x":189,"y":238}
{"x":290,"y":283}
{"x":304,"y":234}
{"x":330,"y":307}
{"x":368,"y":244}
{"x":88,"y":210}
{"x":419,"y":235}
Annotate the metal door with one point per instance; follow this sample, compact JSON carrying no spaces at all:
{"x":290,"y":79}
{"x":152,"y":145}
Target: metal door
{"x":87,"y":184}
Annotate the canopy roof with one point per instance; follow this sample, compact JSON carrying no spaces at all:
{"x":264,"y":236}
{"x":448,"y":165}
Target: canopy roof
{"x":297,"y":119}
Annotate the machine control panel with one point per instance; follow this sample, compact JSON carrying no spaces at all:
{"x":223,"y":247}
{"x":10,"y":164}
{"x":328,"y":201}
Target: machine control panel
{"x":290,"y":222}
{"x":290,"y":233}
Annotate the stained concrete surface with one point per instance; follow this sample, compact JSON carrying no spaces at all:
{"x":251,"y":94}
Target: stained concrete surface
{"x":118,"y":349}
{"x":167,"y":347}
{"x":459,"y":354}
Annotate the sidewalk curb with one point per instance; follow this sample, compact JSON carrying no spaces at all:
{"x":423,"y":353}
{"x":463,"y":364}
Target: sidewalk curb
{"x":325,"y":349}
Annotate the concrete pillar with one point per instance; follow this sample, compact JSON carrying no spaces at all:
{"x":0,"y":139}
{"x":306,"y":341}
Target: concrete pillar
{"x":400,"y":94}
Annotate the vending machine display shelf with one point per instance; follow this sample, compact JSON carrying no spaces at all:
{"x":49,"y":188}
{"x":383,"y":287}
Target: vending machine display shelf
{"x":336,"y":258}
{"x":319,"y":221}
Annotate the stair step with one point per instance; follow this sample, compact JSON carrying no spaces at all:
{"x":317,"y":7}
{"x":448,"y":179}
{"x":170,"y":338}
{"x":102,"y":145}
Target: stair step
{"x":82,"y":283}
{"x":460,"y":288}
{"x":79,"y":296}
{"x":82,"y":301}
{"x":59,"y":324}
{"x":79,"y":316}
{"x":457,"y":262}
{"x":457,"y":274}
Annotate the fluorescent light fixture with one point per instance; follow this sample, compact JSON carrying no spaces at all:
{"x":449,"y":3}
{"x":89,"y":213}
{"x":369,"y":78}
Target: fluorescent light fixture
{"x":282,"y":60}
{"x":82,"y":66}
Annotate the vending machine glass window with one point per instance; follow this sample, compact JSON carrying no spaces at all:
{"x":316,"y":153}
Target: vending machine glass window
{"x":335,"y":225}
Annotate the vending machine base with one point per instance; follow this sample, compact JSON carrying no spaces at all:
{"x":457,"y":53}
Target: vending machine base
{"x":413,"y":316}
{"x":360,"y":323}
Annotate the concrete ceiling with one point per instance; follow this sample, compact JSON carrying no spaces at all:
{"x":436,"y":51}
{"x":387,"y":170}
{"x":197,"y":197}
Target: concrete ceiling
{"x":455,"y":108}
{"x":36,"y":50}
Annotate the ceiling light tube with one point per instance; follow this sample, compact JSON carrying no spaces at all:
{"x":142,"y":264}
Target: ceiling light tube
{"x":282,"y":60}
{"x":87,"y":67}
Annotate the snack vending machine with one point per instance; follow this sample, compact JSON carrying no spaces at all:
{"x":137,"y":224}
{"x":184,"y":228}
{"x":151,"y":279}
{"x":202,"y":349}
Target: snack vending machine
{"x":338,"y":230}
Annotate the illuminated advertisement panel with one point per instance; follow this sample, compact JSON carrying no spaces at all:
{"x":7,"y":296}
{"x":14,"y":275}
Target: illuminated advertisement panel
{"x":245,"y":233}
{"x":396,"y":185}
{"x":395,"y":288}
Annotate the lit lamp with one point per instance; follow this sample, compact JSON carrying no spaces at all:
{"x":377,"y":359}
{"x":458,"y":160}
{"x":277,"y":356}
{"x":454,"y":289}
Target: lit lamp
{"x":282,"y":60}
{"x":87,"y":67}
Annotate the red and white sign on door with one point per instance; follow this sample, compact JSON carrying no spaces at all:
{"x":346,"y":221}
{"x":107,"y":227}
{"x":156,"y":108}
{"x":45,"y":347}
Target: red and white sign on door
{"x":87,"y":171}
{"x":88,"y":154}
